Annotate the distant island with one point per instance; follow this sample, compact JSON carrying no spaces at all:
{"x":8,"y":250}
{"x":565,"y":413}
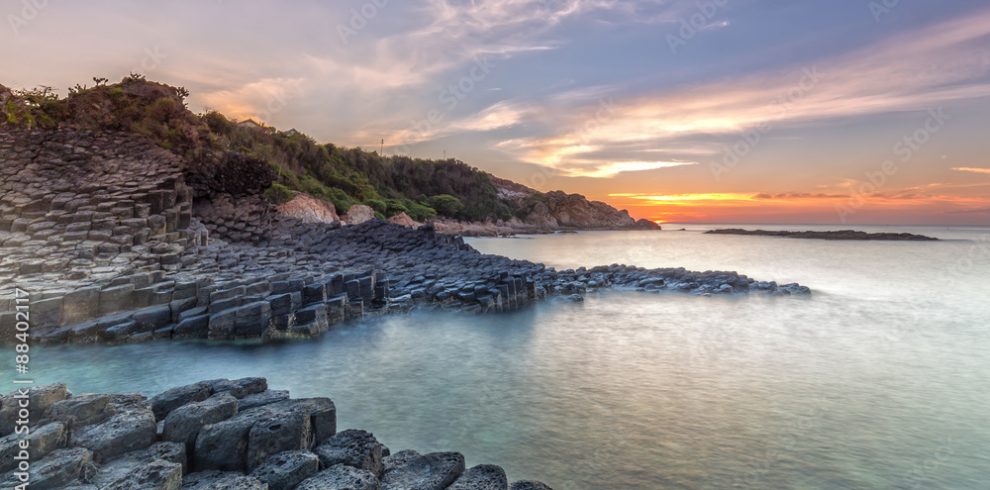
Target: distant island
{"x":825,"y":235}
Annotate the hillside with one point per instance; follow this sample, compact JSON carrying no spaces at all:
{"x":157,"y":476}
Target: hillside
{"x":256,"y":158}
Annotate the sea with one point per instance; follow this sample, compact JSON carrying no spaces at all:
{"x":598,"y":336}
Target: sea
{"x":879,"y":379}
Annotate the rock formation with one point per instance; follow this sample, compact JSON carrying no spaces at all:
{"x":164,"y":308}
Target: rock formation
{"x":113,"y":243}
{"x":309,"y":209}
{"x":216,"y":434}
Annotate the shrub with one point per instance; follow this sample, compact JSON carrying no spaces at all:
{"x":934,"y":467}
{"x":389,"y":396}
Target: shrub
{"x":279,"y":194}
{"x":446,"y":205}
{"x":380,"y":206}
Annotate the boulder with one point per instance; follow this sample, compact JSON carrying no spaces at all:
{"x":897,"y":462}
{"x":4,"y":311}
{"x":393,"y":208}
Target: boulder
{"x":341,"y":477}
{"x":359,"y":213}
{"x":80,"y":410}
{"x":235,"y":445}
{"x":57,"y":470}
{"x":403,"y":219}
{"x":309,"y":209}
{"x":433,"y":471}
{"x":183,"y":424}
{"x":239,"y":388}
{"x":529,"y":485}
{"x":355,"y":448}
{"x":43,"y":440}
{"x":221,"y":480}
{"x":266,"y":397}
{"x":482,"y":477}
{"x":131,"y":427}
{"x":157,"y":475}
{"x":169,"y":400}
{"x":280,"y":432}
{"x":39,"y":399}
{"x":128,"y":465}
{"x":285,"y":470}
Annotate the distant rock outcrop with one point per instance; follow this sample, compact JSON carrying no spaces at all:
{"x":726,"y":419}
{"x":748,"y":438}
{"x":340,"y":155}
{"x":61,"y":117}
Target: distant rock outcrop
{"x":825,"y":235}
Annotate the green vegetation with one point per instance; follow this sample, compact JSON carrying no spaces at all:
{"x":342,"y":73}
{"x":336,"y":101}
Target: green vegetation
{"x":279,"y":194}
{"x":421,"y":188}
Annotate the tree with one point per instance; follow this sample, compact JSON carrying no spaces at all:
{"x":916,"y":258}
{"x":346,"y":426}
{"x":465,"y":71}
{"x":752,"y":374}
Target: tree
{"x":446,"y":205}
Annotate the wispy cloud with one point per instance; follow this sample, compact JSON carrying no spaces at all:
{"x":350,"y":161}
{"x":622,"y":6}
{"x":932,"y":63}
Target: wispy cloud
{"x":973,"y":170}
{"x":944,"y":65}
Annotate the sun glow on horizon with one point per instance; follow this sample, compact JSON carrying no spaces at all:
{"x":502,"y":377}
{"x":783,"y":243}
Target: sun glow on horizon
{"x":792,"y":207}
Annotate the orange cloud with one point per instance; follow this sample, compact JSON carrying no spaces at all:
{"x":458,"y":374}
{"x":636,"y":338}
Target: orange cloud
{"x":972,"y":170}
{"x":797,"y":207}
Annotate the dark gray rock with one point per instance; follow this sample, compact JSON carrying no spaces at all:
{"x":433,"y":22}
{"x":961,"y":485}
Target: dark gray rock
{"x":57,"y":470}
{"x":39,"y":399}
{"x":285,"y":470}
{"x":156,"y":475}
{"x":529,"y":485}
{"x":124,"y":468}
{"x":183,"y":424}
{"x":266,"y":397}
{"x":398,"y":459}
{"x":220,"y":480}
{"x":43,"y":440}
{"x":239,"y":388}
{"x":235,"y":445}
{"x":131,"y":427}
{"x":280,"y":432}
{"x":433,"y":471}
{"x":80,"y":410}
{"x":169,"y":400}
{"x":482,"y":477}
{"x":355,"y":448}
{"x":341,"y":477}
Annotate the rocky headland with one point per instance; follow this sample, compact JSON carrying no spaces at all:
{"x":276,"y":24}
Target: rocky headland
{"x":110,"y":235}
{"x":825,"y":235}
{"x":218,"y":434}
{"x":116,"y":239}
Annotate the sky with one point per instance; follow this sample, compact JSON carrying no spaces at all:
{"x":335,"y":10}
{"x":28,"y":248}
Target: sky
{"x":728,"y":111}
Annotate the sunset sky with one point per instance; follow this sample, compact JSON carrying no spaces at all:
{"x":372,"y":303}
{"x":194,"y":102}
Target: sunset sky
{"x":746,"y":111}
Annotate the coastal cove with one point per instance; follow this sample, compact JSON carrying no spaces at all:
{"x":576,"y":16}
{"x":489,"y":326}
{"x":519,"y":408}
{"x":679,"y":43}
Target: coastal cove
{"x":877,"y":380}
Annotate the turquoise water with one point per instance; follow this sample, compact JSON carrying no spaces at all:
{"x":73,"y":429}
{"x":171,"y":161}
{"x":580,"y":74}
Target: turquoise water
{"x":880,"y":379}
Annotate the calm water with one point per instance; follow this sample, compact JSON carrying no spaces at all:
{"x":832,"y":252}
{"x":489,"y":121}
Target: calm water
{"x":880,"y":380}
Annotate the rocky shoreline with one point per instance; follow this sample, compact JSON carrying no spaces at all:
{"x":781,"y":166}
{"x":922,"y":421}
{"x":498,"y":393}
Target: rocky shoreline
{"x":115,"y":240}
{"x":218,"y":434}
{"x":825,"y":235}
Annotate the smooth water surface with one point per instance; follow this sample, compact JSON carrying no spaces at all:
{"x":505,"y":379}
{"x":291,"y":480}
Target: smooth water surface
{"x":881,"y":379}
